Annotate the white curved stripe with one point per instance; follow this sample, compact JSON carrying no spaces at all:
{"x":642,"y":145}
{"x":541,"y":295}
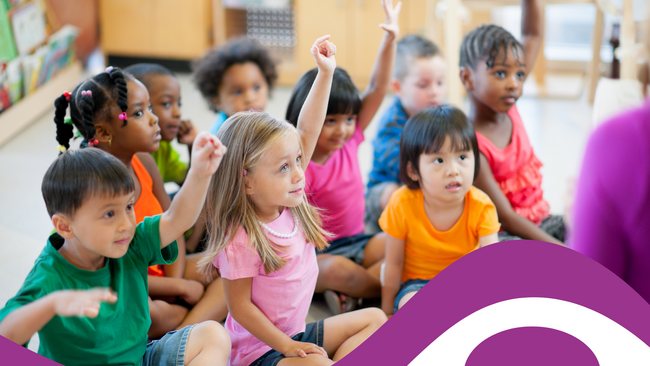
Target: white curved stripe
{"x":610,"y":342}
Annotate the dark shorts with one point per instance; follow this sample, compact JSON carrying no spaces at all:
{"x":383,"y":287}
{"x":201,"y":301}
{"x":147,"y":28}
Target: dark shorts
{"x":553,"y":226}
{"x":168,"y":350}
{"x":373,"y":206}
{"x":351,"y":247}
{"x":314,"y":333}
{"x":407,"y":287}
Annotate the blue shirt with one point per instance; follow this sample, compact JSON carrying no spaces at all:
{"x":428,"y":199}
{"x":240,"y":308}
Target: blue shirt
{"x":221,"y":118}
{"x":385,"y":164}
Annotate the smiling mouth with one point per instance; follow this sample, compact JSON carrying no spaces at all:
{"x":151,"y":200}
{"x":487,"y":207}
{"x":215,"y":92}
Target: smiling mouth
{"x":299,"y":190}
{"x":453,"y":185}
{"x":123,"y":241}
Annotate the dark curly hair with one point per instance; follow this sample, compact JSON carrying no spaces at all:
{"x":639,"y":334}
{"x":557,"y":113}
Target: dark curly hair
{"x":209,"y":70}
{"x":85,"y":110}
{"x":485,"y":42}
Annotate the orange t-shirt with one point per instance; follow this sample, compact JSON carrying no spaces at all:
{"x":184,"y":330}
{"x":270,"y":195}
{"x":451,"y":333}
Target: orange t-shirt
{"x":428,"y":251}
{"x":147,"y":204}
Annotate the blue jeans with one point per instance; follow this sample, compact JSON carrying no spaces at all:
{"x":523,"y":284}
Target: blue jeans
{"x":407,"y":287}
{"x":314,"y":333}
{"x":168,"y":350}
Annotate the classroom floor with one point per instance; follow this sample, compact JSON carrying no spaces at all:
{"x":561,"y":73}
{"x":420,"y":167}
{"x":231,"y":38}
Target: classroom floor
{"x":557,"y":128}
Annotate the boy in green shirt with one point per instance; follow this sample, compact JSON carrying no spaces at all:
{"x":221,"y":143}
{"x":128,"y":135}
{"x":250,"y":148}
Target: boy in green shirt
{"x":86,"y":295}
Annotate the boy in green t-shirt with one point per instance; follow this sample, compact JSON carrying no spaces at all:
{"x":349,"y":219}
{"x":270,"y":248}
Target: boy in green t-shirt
{"x":86,"y":295}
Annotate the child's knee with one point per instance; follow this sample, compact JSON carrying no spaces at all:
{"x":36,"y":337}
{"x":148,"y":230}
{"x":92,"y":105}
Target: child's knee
{"x":339,"y":269}
{"x":211,"y":334}
{"x":318,"y":360}
{"x":375,"y":317}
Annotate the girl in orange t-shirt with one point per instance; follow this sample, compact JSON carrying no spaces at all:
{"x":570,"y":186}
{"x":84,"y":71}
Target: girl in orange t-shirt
{"x":438,"y":216}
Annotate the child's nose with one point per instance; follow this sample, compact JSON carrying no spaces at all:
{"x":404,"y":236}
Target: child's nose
{"x":176,"y":111}
{"x":126,"y":222}
{"x":298,"y":174}
{"x":453,"y":169}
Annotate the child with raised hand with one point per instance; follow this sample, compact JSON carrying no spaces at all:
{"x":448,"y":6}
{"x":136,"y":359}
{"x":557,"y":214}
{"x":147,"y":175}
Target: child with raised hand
{"x":86,"y":295}
{"x":349,"y":267}
{"x":112,"y":112}
{"x":262,"y":235}
{"x":493,"y":67}
{"x":237,"y":77}
{"x":165,"y":96}
{"x":418,"y":82}
{"x":437,"y":216}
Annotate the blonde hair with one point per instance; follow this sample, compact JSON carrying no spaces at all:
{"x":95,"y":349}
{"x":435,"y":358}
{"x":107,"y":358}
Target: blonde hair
{"x":248,"y":135}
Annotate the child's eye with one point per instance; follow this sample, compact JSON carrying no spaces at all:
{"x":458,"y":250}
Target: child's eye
{"x":236,"y":92}
{"x":462,"y":157}
{"x":521,"y":75}
{"x":179,"y":104}
{"x":138,"y":114}
{"x":129,"y":207}
{"x":500,"y":74}
{"x":167,"y":104}
{"x":350,"y":120}
{"x":256,"y":88}
{"x":150,"y":108}
{"x":437,"y":161}
{"x":330,"y":120}
{"x":284,"y":168}
{"x":422,"y":85}
{"x":299,"y":159}
{"x":109,"y":214}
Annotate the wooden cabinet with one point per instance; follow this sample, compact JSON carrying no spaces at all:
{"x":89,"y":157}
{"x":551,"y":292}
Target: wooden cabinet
{"x":174,"y":29}
{"x":354,"y":27}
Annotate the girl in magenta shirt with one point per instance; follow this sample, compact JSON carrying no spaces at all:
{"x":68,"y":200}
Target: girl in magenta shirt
{"x":351,"y":264}
{"x":262,"y":236}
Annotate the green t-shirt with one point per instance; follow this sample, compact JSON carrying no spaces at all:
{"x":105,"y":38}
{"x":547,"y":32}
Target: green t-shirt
{"x":168,"y":160}
{"x":118,"y":335}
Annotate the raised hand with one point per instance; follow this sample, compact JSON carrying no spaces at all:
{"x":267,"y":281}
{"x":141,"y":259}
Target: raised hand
{"x":187,"y":133}
{"x":302,"y":349}
{"x":392,"y":24}
{"x":207,"y":152}
{"x":323,"y":52}
{"x":82,"y":303}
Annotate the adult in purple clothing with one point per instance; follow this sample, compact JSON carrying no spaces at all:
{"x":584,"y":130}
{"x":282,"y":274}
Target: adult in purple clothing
{"x":612,"y":206}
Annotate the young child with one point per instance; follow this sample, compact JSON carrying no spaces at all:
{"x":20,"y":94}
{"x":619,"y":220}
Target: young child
{"x":236,"y":77}
{"x":438,"y":216}
{"x":111,"y":111}
{"x":350,"y":265}
{"x":165,"y":96}
{"x":262,"y":236}
{"x":418,"y":82}
{"x":494,"y":66}
{"x":86,"y":295}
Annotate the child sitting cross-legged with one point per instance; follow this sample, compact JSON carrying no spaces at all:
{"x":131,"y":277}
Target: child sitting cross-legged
{"x":86,"y":295}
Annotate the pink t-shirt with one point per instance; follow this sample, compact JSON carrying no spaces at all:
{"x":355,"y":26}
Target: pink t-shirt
{"x":337,"y":188}
{"x":283,"y":296}
{"x":516,"y":169}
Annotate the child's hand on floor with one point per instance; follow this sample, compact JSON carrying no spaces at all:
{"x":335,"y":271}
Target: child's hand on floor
{"x":193,"y":291}
{"x":207,"y":152}
{"x":391,"y":25}
{"x":82,"y":303}
{"x":323,"y":52}
{"x":187,"y":133}
{"x":302,"y":349}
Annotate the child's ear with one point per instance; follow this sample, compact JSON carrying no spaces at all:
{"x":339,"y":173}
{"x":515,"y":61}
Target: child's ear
{"x":101,"y":132}
{"x":411,"y":172}
{"x":249,"y":189}
{"x":62,"y":226}
{"x":396,"y":86}
{"x":216,"y":102}
{"x":467,"y":78}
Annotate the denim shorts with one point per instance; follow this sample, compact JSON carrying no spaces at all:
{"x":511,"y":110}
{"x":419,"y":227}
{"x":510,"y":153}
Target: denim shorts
{"x":314,"y":333}
{"x":168,"y":350}
{"x":407,"y":287}
{"x":351,"y":247}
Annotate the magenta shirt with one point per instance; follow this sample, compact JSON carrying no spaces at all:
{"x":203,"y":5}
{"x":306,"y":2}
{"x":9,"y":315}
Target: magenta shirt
{"x":283,"y":296}
{"x":337,"y":188}
{"x":612,"y":206}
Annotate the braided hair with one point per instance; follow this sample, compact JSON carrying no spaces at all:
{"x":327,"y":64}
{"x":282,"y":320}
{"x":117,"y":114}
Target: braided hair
{"x":89,"y":102}
{"x":485,"y":42}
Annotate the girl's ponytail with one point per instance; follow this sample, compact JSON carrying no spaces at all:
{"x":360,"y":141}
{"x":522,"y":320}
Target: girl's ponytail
{"x":64,"y":131}
{"x":117,"y":76}
{"x":86,"y":106}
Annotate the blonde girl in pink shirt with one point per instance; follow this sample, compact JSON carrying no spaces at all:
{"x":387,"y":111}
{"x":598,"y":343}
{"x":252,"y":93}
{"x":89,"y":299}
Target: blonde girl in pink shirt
{"x":262,"y":236}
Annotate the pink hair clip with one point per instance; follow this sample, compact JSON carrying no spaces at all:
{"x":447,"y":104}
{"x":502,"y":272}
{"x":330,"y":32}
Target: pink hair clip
{"x":67,"y":95}
{"x":245,"y":172}
{"x":87,"y":92}
{"x":93,"y":142}
{"x":109,"y":69}
{"x":122,"y":116}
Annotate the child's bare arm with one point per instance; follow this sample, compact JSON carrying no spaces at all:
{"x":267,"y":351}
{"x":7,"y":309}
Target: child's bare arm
{"x":313,"y":112}
{"x":511,"y":222}
{"x":488,"y":239}
{"x":238,"y":296}
{"x":532,"y":30}
{"x":21,"y":324}
{"x":382,"y":70}
{"x":393,"y":273}
{"x":189,"y":290}
{"x":186,"y":206}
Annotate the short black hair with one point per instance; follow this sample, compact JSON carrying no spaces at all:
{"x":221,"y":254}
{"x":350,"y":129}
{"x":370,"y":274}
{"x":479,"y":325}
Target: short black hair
{"x":412,"y":47}
{"x":344,"y":96}
{"x":209,"y":70}
{"x":485,"y":42}
{"x":425,"y":133}
{"x":104,"y":89}
{"x":143,"y":71}
{"x":78,"y":174}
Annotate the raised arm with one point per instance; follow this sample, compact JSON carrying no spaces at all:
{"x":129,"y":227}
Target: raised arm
{"x":382,"y":70}
{"x":532,"y":30}
{"x":313,"y":112}
{"x":207,"y":153}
